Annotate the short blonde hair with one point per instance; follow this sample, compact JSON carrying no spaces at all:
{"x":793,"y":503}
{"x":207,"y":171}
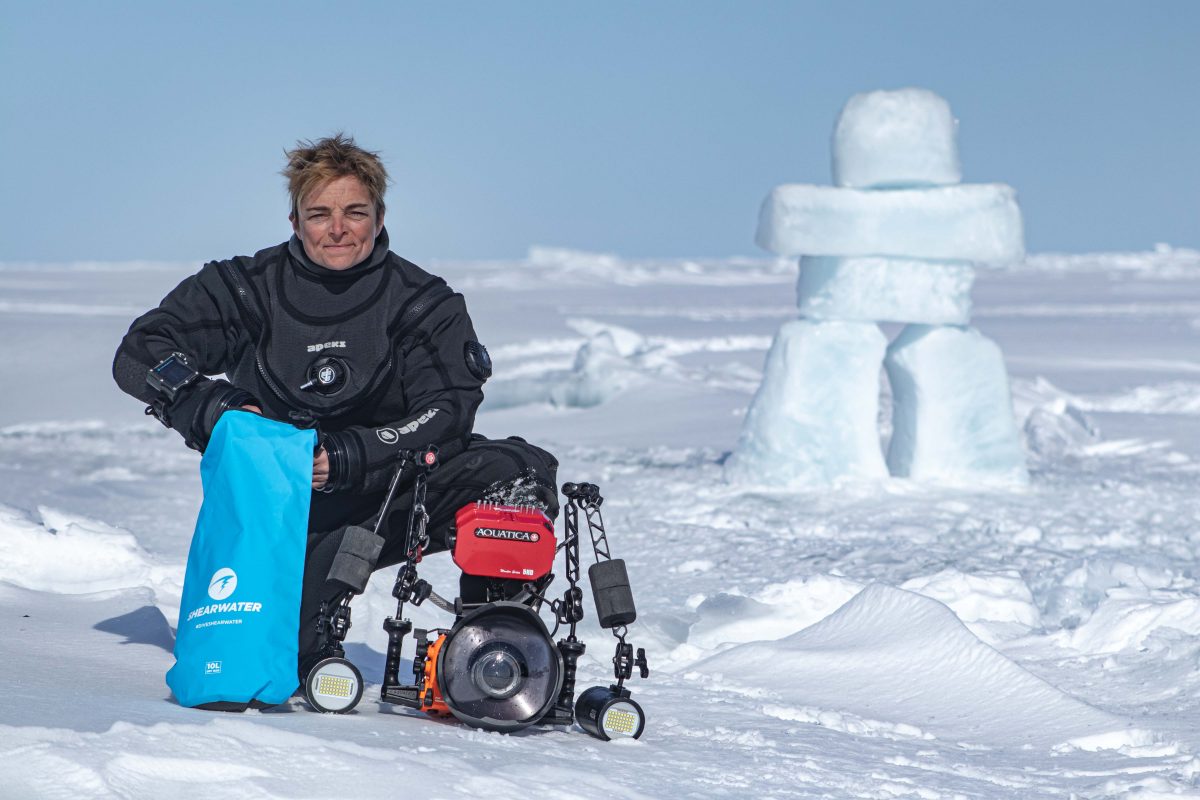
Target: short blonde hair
{"x":312,"y":164}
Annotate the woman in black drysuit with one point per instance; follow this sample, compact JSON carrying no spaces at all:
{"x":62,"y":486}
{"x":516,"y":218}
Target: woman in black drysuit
{"x":379,"y":354}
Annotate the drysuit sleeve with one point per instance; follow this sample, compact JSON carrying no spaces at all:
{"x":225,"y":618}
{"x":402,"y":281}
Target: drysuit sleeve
{"x":198,"y":319}
{"x":444,"y":371}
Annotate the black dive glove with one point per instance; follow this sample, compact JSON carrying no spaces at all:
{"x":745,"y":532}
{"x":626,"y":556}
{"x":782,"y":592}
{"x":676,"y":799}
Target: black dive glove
{"x":194,"y":413}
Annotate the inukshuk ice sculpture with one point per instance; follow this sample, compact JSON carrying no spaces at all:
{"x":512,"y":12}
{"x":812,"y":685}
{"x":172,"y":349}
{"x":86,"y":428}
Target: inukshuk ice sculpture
{"x":898,"y":238}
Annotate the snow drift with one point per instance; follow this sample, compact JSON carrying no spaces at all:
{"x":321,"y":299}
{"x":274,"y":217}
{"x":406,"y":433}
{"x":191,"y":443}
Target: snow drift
{"x":896,"y":656}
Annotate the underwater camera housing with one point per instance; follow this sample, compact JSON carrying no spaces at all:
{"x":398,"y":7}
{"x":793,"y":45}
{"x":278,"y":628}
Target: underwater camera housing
{"x":498,"y":666}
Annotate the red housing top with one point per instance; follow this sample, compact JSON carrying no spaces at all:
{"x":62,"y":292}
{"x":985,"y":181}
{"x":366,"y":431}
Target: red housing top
{"x":494,"y":541}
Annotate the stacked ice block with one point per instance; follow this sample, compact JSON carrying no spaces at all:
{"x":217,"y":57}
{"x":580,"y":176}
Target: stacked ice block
{"x":898,"y":238}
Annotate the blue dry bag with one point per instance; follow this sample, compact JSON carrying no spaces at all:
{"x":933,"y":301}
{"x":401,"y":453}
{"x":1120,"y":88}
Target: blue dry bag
{"x":240,"y":613}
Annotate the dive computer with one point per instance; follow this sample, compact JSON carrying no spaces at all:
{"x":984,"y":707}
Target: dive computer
{"x":172,"y":374}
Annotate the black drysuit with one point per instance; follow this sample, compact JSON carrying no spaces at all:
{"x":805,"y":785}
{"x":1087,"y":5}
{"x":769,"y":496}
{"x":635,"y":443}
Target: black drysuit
{"x":409,"y":374}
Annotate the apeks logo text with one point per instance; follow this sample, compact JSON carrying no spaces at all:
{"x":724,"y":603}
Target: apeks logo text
{"x":502,"y":533}
{"x":316,"y":348}
{"x":392,"y":435}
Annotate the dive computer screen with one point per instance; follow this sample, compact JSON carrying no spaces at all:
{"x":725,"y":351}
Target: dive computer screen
{"x":174,"y":372}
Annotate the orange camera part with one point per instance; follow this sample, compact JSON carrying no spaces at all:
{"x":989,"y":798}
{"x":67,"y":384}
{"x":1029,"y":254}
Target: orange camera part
{"x":433,"y":703}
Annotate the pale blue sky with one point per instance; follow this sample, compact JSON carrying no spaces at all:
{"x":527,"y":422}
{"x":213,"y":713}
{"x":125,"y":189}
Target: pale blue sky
{"x":156,"y":129}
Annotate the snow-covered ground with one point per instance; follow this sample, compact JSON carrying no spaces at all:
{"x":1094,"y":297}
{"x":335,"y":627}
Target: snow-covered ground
{"x":860,"y":641}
